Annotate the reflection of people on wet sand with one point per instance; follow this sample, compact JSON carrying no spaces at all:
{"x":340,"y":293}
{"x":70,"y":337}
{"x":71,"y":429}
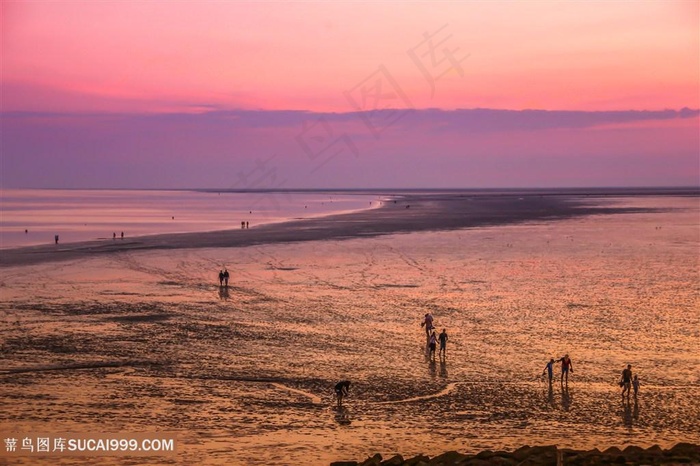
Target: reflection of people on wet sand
{"x":626,"y":381}
{"x":550,"y":395}
{"x":443,"y":368}
{"x":627,"y":416}
{"x":342,"y":416}
{"x":226,"y":275}
{"x":565,"y":398}
{"x":223,"y":293}
{"x":549,"y":368}
{"x":341,"y":391}
{"x":428,"y":324}
{"x":221,"y":278}
{"x":566,"y":366}
{"x":443,"y":343}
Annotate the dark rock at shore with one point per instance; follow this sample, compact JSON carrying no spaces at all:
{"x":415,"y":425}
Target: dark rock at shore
{"x":682,"y":453}
{"x":393,"y":461}
{"x":451,"y":457}
{"x":375,"y":460}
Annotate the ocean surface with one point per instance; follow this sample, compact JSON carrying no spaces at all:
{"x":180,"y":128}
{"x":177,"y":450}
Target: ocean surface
{"x":244,"y":375}
{"x":86,"y":215}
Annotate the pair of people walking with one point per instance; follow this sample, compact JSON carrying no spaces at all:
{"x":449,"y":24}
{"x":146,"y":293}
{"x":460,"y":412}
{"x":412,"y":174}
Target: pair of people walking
{"x":629,"y":382}
{"x":566,"y":367}
{"x":223,"y":277}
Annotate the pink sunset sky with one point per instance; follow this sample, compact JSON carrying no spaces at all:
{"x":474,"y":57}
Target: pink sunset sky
{"x":260,"y":95}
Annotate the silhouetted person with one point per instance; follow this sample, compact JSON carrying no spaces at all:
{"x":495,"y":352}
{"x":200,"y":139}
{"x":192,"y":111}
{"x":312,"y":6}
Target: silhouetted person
{"x":56,"y":238}
{"x":122,"y":235}
{"x":443,"y":343}
{"x":226,"y":275}
{"x":221,"y":278}
{"x":428,"y":324}
{"x":114,"y":236}
{"x":566,"y":366}
{"x":635,"y":385}
{"x":432,"y":342}
{"x":246,"y":225}
{"x":242,"y":225}
{"x":627,"y":380}
{"x":549,"y":368}
{"x":341,"y":391}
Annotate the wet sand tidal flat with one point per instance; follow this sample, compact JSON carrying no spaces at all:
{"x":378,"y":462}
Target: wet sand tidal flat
{"x":144,"y":340}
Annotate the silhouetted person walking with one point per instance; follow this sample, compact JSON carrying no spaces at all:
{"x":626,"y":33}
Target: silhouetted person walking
{"x":443,"y":343}
{"x":627,"y":380}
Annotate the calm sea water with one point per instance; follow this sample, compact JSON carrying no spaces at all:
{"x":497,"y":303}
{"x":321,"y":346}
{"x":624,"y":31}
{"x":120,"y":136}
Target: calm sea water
{"x":83,"y":215}
{"x":244,"y":375}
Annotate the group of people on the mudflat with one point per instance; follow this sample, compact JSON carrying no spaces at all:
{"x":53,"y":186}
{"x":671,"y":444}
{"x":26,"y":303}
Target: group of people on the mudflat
{"x":628,"y":381}
{"x":432,"y":338}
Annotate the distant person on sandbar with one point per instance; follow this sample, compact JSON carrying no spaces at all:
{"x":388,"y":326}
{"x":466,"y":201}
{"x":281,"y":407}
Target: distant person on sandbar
{"x":443,"y":343}
{"x":432,"y":343}
{"x":55,"y":238}
{"x":635,"y":385}
{"x":566,"y":366}
{"x":246,"y":225}
{"x":627,"y":380}
{"x":341,"y":391}
{"x":221,"y":278}
{"x":428,"y":324}
{"x":549,"y":368}
{"x":226,"y":275}
{"x":114,"y":236}
{"x":122,"y":235}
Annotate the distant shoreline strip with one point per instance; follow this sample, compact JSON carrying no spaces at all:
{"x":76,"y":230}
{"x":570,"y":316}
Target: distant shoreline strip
{"x":407,"y":213}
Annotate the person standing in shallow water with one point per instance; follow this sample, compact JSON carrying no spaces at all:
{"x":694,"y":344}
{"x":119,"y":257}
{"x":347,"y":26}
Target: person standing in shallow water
{"x":341,"y":391}
{"x":566,"y":366}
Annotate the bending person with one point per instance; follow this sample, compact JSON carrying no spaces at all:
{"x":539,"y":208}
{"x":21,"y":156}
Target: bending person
{"x":341,"y":391}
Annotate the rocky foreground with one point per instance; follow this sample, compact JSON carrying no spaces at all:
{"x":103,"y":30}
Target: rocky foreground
{"x":682,"y":453}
